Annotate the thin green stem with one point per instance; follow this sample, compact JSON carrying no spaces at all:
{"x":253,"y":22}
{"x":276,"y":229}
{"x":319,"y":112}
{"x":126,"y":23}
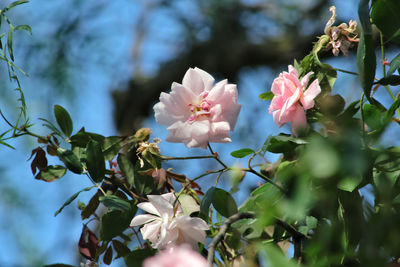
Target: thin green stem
{"x":216,"y":157}
{"x":96,"y":184}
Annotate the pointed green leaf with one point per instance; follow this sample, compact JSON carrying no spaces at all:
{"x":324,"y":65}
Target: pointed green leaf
{"x":366,"y":63}
{"x":111,"y":146}
{"x":385,"y":15}
{"x":63,"y":120}
{"x":266,"y":96}
{"x":127,"y":168}
{"x":9,"y":43}
{"x":72,"y":198}
{"x":24,"y":28}
{"x":394,"y":65}
{"x":390,"y":80}
{"x":16,"y":3}
{"x":95,"y":161}
{"x":115,"y":222}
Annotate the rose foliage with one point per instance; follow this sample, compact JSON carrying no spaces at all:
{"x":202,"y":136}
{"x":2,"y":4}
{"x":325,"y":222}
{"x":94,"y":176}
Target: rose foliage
{"x":331,"y":198}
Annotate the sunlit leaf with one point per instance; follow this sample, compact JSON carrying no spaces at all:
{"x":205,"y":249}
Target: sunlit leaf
{"x":63,"y":120}
{"x":241,"y":153}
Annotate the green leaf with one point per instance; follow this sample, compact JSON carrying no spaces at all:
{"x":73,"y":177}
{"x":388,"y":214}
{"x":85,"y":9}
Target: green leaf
{"x":349,"y":183}
{"x":63,"y":120}
{"x":394,"y":65}
{"x":144,"y":184}
{"x":91,"y":206}
{"x":385,"y":15}
{"x":16,"y":3}
{"x":51,"y":173}
{"x":188,"y":204}
{"x":72,"y":198}
{"x":266,"y":96}
{"x":121,"y":249}
{"x":206,"y":202}
{"x":136,"y":257}
{"x":390,"y":112}
{"x":373,"y":117}
{"x":366,"y":58}
{"x":311,"y":222}
{"x":115,"y":222}
{"x":283,"y":143}
{"x":115,"y":203}
{"x":70,"y":160}
{"x":127,"y":168}
{"x":9,"y":43}
{"x":82,"y":138}
{"x":24,"y":28}
{"x":241,"y":153}
{"x":275,"y":256}
{"x":389,"y":80}
{"x":224,"y":203}
{"x":111,"y":146}
{"x":95,"y":161}
{"x":51,"y":126}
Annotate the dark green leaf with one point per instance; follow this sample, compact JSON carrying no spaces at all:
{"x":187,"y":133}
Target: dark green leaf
{"x":72,"y":198}
{"x":115,"y":203}
{"x":385,"y":15}
{"x":266,"y":96}
{"x":115,"y":222}
{"x":366,"y":58}
{"x":136,"y":257}
{"x":70,"y":160}
{"x":366,"y":63}
{"x":144,"y":184}
{"x":111,"y":147}
{"x":82,"y":138}
{"x":206,"y":202}
{"x":51,"y":126}
{"x":24,"y":28}
{"x":283,"y":143}
{"x":121,"y":249}
{"x":349,"y":183}
{"x":51,"y":173}
{"x":311,"y":222}
{"x":127,"y":168}
{"x":241,"y":153}
{"x":9,"y":43}
{"x":63,"y":120}
{"x":91,"y":206}
{"x":107,"y":258}
{"x":224,"y":203}
{"x":390,"y":80}
{"x":95,"y":161}
{"x":394,"y":65}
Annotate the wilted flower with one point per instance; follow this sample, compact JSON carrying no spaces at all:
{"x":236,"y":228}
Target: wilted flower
{"x":166,"y":225}
{"x":196,"y":112}
{"x":181,"y":256}
{"x":342,"y":36}
{"x":291,"y":98}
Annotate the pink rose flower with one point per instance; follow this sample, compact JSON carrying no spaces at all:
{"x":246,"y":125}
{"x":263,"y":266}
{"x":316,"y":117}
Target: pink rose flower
{"x":167,"y":227}
{"x":181,"y":256}
{"x":291,"y":98}
{"x":196,"y":112}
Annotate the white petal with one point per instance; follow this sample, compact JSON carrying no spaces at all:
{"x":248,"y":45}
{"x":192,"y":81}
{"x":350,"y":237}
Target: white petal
{"x":162,"y":205}
{"x":193,"y":81}
{"x":149,"y":207}
{"x":142,"y":219}
{"x":208,"y":80}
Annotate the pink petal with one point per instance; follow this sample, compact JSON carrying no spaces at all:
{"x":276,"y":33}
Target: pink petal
{"x":208,"y":80}
{"x":299,"y":120}
{"x":193,"y":81}
{"x":308,"y":97}
{"x":150,"y":231}
{"x":305,"y":79}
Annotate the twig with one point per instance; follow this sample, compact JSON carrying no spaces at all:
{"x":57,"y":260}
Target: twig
{"x":222,"y":232}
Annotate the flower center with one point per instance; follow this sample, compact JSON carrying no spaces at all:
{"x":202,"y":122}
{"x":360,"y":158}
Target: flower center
{"x":201,"y":109}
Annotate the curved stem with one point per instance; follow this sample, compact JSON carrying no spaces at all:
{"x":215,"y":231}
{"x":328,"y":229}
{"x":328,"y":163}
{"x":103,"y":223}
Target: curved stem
{"x":347,"y":71}
{"x":216,"y":156}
